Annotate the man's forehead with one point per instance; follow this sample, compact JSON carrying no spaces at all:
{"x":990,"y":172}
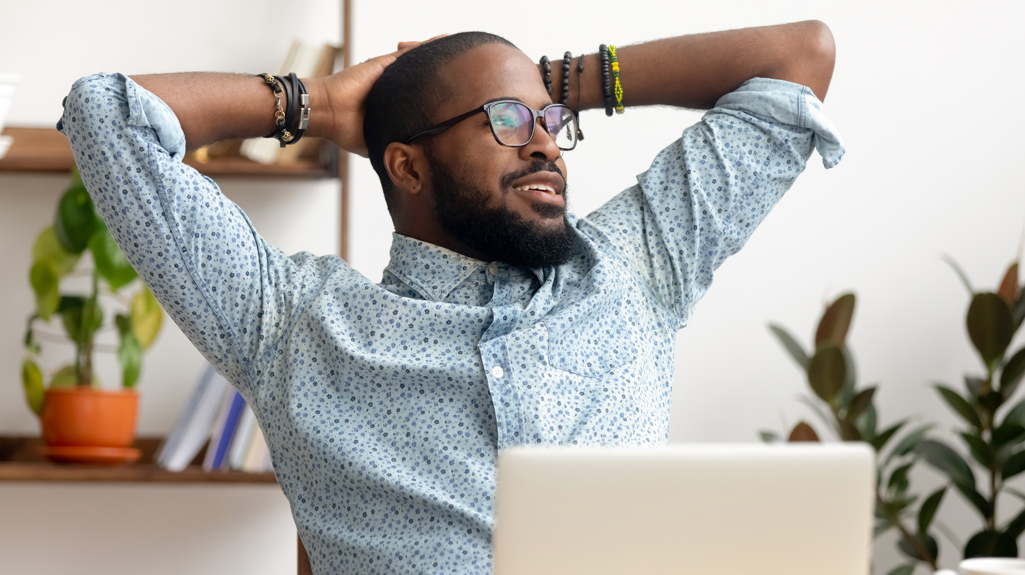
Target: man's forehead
{"x":488,"y":72}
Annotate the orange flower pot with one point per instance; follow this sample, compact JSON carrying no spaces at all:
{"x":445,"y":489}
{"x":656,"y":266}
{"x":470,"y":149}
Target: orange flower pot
{"x":83,"y":416}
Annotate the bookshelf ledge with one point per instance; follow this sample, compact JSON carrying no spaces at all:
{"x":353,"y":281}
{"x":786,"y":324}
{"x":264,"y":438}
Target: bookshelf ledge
{"x":20,"y":460}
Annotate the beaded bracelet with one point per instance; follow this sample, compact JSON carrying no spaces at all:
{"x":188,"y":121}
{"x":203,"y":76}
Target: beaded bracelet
{"x":565,"y":77}
{"x":606,"y":83}
{"x":618,"y":91}
{"x":546,"y":73}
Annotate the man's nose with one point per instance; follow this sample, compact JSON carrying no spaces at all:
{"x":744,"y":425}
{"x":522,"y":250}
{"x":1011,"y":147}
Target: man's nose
{"x":542,"y":145}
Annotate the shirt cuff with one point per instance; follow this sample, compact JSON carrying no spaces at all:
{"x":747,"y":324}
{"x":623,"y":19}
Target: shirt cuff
{"x":788,"y":103}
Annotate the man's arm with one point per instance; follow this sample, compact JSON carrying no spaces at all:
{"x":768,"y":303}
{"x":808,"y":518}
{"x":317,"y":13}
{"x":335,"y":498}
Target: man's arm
{"x":695,"y":71}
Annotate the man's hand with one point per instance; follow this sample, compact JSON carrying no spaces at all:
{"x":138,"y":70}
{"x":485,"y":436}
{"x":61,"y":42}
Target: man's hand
{"x":344,"y":96}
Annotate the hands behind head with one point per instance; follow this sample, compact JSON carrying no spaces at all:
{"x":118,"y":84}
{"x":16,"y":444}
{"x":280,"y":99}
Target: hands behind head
{"x":342,"y":96}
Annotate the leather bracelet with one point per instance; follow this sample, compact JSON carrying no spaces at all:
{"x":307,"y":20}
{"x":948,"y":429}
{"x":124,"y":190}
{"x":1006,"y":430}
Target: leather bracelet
{"x":296,"y":110}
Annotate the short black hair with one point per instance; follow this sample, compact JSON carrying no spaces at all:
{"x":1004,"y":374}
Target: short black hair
{"x":407,"y":95}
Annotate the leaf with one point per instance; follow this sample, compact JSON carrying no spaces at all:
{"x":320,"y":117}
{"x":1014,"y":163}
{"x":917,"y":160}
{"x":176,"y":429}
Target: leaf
{"x":769,"y":436}
{"x":960,"y":406}
{"x":1006,"y":546}
{"x":1008,"y":290}
{"x":976,"y":499}
{"x":1016,"y":526}
{"x":980,"y":450}
{"x":829,"y":421}
{"x":827,"y":372}
{"x":851,"y":381}
{"x":791,"y":345}
{"x":836,"y":321}
{"x":899,"y":478}
{"x":111,"y":263}
{"x":910,"y":442}
{"x":974,"y":385}
{"x":65,"y":378}
{"x":1017,"y":414}
{"x":945,"y":459}
{"x":1018,"y":313}
{"x":147,"y":317}
{"x":960,"y":273}
{"x":847,"y":431}
{"x":927,"y":540}
{"x":30,"y":339}
{"x":73,"y":310}
{"x":880,"y":528}
{"x":982,"y":544}
{"x":129,"y":355}
{"x":861,"y":401}
{"x":48,"y":248}
{"x":990,"y":327}
{"x":1008,"y":432}
{"x":32,"y":384}
{"x":928,"y":509}
{"x":1014,"y":371}
{"x":1013,"y":466}
{"x":867,"y":423}
{"x":44,"y":280}
{"x":75,"y":219}
{"x":802,"y":432}
{"x":880,"y":440}
{"x":903,"y":569}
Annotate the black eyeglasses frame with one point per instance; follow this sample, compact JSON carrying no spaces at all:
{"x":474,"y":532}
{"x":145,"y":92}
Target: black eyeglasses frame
{"x":486,"y":108}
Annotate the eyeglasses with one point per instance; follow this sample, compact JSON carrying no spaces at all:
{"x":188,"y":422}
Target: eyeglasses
{"x":512,"y":123}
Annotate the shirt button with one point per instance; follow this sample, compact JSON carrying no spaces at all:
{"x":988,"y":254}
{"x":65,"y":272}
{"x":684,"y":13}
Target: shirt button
{"x":493,"y":268}
{"x":498,"y":372}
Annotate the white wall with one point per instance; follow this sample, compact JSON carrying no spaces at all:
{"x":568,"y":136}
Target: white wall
{"x":924,"y":95}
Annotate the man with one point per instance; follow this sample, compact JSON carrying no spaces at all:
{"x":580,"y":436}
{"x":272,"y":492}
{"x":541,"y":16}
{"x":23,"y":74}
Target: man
{"x":501,"y":320}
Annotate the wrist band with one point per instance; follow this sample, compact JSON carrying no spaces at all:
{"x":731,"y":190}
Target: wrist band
{"x":606,"y":82}
{"x":576,"y":113}
{"x":565,"y":77}
{"x":295,"y":94}
{"x":618,"y":89}
{"x":546,"y":73}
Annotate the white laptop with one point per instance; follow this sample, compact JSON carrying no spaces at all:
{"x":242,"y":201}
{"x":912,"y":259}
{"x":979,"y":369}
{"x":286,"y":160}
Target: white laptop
{"x":752,"y":509}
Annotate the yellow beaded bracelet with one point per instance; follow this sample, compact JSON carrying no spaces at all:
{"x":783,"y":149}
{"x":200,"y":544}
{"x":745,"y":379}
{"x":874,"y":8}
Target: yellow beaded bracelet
{"x":618,"y":89}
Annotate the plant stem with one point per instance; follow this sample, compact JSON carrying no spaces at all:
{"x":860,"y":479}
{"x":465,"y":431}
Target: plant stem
{"x":88,"y":335}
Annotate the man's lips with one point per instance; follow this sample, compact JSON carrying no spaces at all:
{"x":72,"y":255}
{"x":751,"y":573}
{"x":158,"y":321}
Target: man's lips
{"x":546,"y":187}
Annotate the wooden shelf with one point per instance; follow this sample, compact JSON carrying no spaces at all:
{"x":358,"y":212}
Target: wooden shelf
{"x":21,"y":460}
{"x":45,"y":150}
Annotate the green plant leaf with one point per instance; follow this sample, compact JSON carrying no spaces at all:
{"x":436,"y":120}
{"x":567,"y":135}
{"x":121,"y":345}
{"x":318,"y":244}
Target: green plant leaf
{"x":867,"y":423}
{"x":1006,"y":546}
{"x":75,"y":219}
{"x":111,"y":263}
{"x":1018,"y":313}
{"x":1008,"y":432}
{"x":1008,"y":290}
{"x":909,"y":442}
{"x":802,"y":432}
{"x":1016,"y":414}
{"x":147,"y":317}
{"x":1014,"y":371}
{"x":980,"y":450}
{"x":1016,"y":526}
{"x":30,"y":339}
{"x":880,"y":440}
{"x":861,"y":401}
{"x":984,"y":544}
{"x":32,"y":384}
{"x":974,"y":385}
{"x":927,"y":540}
{"x":851,"y":381}
{"x":847,"y":431}
{"x":976,"y":499}
{"x":44,"y":280}
{"x":827,"y":372}
{"x":791,"y":345}
{"x":1014,"y":465}
{"x":990,"y":327}
{"x":928,"y":509}
{"x":81,"y":320}
{"x":836,"y":321}
{"x":945,"y":459}
{"x":48,"y":248}
{"x":903,"y":569}
{"x":65,"y":378}
{"x":769,"y":436}
{"x":899,"y":478}
{"x":960,"y":406}
{"x":129,"y":355}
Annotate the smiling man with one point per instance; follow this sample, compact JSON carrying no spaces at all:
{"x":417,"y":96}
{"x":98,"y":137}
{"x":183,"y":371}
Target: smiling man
{"x":501,"y":318}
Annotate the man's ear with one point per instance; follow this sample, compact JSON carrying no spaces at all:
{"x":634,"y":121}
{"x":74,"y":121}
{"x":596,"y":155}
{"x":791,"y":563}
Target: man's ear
{"x":406,"y":166}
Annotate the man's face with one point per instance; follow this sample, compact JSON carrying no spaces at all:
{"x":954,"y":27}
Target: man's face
{"x":507,"y":203}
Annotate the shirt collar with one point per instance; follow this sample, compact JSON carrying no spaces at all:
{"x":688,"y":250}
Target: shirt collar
{"x":433,"y":271}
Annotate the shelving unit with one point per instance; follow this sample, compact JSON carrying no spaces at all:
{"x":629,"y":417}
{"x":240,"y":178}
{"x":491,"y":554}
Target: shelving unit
{"x":21,"y":459}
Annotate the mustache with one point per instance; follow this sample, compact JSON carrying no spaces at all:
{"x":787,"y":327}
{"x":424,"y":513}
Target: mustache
{"x":538,"y":166}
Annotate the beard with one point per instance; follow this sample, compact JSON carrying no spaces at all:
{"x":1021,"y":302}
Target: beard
{"x":462,"y":209}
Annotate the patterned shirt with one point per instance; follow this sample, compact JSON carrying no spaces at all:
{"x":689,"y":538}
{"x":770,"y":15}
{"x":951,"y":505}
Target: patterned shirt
{"x":385,"y":404}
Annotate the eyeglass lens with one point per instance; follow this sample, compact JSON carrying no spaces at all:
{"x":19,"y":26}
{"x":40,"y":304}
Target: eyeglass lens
{"x":512,"y":122}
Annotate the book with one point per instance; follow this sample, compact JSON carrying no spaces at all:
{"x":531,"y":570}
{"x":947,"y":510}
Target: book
{"x":224,"y":429}
{"x":243,"y":438}
{"x":192,"y":430}
{"x":257,"y":458}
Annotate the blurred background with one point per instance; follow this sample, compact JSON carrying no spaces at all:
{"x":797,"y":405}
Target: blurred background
{"x":924,"y":95}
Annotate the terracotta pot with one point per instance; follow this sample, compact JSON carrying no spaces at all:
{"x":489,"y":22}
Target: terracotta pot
{"x":83,"y":416}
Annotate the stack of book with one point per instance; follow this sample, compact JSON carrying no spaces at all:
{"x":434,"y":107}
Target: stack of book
{"x":217,"y":416}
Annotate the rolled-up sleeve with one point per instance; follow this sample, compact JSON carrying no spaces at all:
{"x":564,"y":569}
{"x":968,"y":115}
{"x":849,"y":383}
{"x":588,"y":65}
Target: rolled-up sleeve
{"x":231,"y":293}
{"x":705,"y":194}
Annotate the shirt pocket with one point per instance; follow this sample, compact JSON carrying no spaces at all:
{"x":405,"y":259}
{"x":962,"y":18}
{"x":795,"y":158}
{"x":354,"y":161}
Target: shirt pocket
{"x":592,"y":337}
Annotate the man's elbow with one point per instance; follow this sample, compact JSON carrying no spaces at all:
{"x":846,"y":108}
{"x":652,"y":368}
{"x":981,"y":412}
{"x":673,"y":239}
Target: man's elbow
{"x":818,"y":56}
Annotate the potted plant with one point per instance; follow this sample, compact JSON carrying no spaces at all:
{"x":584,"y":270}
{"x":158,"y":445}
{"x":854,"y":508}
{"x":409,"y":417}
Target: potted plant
{"x":80,"y":420}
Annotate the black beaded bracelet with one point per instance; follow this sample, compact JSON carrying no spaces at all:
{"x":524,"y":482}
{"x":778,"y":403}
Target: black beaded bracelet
{"x":565,"y":77}
{"x":546,"y":73}
{"x":606,"y":78}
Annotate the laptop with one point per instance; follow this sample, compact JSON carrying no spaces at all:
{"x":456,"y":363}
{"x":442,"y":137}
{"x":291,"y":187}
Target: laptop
{"x":793,"y":509}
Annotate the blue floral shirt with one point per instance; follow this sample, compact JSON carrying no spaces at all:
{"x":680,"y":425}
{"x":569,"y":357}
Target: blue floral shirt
{"x":385,"y":404}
